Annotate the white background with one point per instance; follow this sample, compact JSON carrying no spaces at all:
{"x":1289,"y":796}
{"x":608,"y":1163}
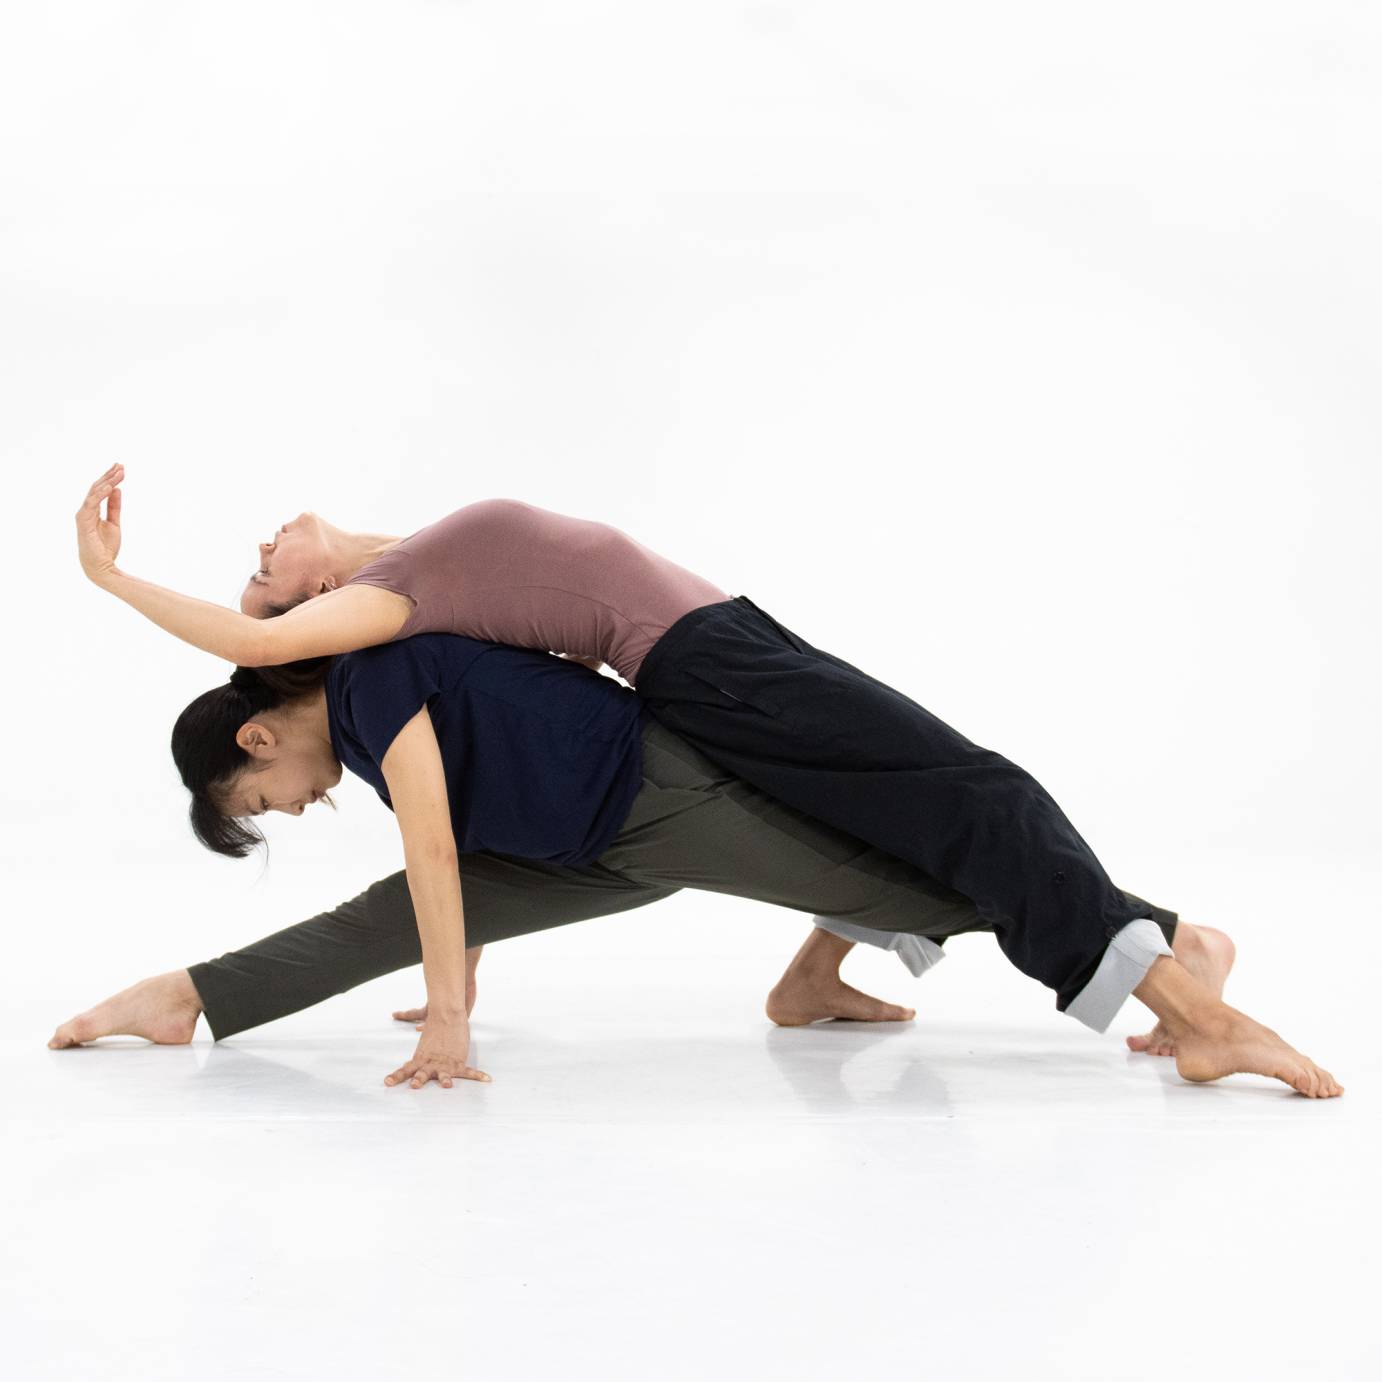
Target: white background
{"x":1024,"y":355}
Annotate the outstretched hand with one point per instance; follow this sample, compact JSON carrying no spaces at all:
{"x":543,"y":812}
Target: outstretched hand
{"x":442,"y":1054}
{"x":98,"y":538}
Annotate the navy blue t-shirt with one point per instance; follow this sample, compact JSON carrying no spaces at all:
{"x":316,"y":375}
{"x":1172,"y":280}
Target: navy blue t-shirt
{"x":543,"y":757}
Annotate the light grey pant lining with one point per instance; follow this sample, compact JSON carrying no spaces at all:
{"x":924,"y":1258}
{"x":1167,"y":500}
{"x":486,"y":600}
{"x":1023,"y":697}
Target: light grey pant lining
{"x":1130,"y":954}
{"x":918,"y":953}
{"x":1125,"y":963}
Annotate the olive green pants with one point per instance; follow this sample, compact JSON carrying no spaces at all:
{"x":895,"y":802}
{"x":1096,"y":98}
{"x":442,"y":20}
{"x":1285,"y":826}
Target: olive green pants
{"x":691,"y":826}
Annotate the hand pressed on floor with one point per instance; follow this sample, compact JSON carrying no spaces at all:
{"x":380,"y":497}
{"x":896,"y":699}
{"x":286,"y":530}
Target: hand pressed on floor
{"x":442,"y":1054}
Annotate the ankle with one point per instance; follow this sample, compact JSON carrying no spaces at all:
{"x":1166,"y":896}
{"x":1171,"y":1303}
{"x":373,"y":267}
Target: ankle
{"x":811,"y":969}
{"x":820,"y":957}
{"x":1182,"y":1004}
{"x":179,"y":990}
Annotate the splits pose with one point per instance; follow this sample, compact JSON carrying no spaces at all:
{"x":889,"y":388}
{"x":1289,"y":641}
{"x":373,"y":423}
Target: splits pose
{"x":765,"y":714}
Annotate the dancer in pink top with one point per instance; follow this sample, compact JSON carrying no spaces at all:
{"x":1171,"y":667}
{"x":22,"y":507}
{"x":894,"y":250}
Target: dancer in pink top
{"x":511,"y":573}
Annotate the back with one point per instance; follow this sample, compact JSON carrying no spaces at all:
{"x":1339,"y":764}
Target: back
{"x":543,"y":758}
{"x":512,"y":573}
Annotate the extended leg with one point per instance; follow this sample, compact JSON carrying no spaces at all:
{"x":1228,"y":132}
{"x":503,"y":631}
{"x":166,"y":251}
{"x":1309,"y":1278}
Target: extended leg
{"x":372,"y":934}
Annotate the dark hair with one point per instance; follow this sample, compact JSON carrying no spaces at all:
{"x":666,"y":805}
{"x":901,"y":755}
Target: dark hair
{"x":273,"y":611}
{"x":208,"y":758}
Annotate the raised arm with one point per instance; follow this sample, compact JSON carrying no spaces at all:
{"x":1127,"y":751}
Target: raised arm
{"x":355,"y":616}
{"x":416,"y":781}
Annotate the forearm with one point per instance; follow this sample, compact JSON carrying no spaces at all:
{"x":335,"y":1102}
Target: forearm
{"x":214,"y":629}
{"x":434,"y":883}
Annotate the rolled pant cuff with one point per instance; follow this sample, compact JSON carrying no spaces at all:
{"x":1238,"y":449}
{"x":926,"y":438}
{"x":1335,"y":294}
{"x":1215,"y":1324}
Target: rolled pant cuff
{"x":916,"y":952}
{"x":1129,"y":956}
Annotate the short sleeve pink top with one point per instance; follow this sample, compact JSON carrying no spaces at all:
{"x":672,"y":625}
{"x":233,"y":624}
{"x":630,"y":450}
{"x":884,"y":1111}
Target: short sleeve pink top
{"x":508,"y":572}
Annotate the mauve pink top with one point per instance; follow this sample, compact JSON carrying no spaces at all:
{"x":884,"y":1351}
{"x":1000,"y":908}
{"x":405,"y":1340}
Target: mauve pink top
{"x":508,"y":572}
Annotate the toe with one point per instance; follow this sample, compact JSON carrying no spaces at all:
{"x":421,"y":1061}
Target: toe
{"x":878,"y":1011}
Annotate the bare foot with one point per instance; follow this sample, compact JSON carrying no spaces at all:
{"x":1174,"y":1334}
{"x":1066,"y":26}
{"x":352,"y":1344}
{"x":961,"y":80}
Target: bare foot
{"x":802,"y":996}
{"x":795,"y":1003}
{"x":811,"y":988}
{"x":1208,"y":954}
{"x":1236,"y":1045}
{"x":162,"y":1010}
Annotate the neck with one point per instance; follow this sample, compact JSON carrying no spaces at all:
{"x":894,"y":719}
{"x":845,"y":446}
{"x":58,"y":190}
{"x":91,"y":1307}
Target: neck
{"x":309,"y":718}
{"x":352,"y":552}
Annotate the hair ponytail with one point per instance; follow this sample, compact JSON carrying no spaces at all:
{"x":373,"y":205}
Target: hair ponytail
{"x":207,"y":757}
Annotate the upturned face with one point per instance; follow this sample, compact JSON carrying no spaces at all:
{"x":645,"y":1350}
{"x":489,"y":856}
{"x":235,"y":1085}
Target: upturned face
{"x":294,"y":566}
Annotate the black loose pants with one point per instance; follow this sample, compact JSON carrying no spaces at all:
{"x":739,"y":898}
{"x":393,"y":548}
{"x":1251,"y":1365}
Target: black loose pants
{"x":824,"y":737}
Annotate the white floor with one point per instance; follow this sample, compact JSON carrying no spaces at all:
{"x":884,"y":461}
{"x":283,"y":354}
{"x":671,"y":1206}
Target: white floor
{"x":659,"y":1184}
{"x":1019,"y":354}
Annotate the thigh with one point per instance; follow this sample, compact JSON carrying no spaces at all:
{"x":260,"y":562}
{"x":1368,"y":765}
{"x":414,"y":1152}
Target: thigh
{"x":695,"y":825}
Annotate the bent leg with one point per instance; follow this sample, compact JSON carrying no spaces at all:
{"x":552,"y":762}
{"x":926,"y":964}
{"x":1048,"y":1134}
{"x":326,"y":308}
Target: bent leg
{"x":822,"y":736}
{"x":696,"y":825}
